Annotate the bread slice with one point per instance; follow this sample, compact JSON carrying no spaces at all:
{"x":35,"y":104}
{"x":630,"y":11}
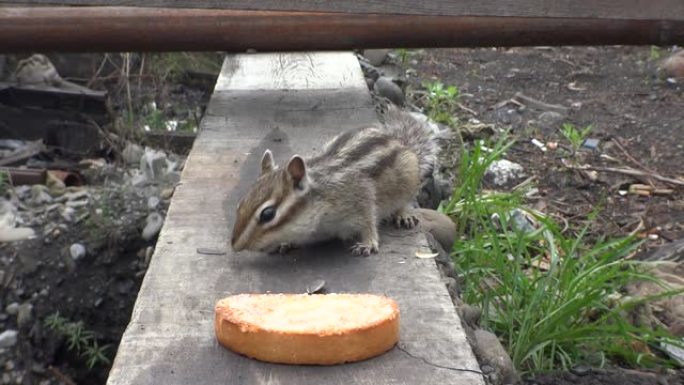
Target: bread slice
{"x":318,"y":329}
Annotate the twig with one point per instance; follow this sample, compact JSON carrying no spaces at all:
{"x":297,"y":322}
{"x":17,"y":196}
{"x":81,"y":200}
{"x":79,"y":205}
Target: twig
{"x":97,"y":73}
{"x":619,"y":144}
{"x":60,"y":376}
{"x":466,"y":109}
{"x":538,"y":104}
{"x":629,"y":171}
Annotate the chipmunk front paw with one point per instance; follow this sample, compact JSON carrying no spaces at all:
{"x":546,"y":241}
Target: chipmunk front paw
{"x":363,"y":249}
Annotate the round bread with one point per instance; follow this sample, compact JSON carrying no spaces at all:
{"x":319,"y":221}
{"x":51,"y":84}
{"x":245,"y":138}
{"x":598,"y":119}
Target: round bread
{"x":318,"y":329}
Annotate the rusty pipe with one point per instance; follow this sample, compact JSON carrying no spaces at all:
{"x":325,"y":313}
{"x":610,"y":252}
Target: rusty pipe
{"x":107,"y":29}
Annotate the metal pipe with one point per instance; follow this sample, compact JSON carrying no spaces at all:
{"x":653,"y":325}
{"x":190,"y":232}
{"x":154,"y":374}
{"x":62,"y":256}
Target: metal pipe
{"x":108,"y":29}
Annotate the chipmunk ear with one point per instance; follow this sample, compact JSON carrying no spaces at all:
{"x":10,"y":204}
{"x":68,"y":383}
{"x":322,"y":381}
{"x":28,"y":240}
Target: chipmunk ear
{"x":267,"y":163}
{"x":297,"y":170}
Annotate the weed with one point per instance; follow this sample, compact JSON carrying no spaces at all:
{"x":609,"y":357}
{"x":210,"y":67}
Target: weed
{"x":574,"y":136}
{"x":4,"y":182}
{"x":441,"y":102}
{"x":546,"y":294}
{"x":403,"y":54}
{"x":78,"y":339}
{"x":655,"y":53}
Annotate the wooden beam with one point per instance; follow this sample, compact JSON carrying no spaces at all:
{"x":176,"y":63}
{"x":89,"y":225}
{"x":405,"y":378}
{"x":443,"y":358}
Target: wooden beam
{"x":107,"y":29}
{"x":591,"y":9}
{"x":288,"y":103}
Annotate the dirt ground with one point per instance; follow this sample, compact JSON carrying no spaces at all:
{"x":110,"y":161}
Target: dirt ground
{"x":637,"y":117}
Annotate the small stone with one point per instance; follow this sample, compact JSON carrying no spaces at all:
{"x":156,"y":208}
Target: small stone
{"x":9,"y":365}
{"x":549,"y":121}
{"x":580,"y":370}
{"x":98,"y":302}
{"x":486,"y":369}
{"x":55,"y":186}
{"x":25,"y":315}
{"x":489,"y":350}
{"x":6,"y":378}
{"x":673,"y":66}
{"x":8,"y":338}
{"x":442,"y":228}
{"x":40,"y":195}
{"x":376,"y":56}
{"x":385,"y":87}
{"x":153,"y":164}
{"x":132,"y":153}
{"x":12,"y":309}
{"x":502,"y":172}
{"x":153,"y":225}
{"x":68,"y":214}
{"x":152,"y":203}
{"x":77,"y":251}
{"x":166,"y":193}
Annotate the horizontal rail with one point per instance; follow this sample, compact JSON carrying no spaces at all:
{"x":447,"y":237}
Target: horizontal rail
{"x":107,"y":29}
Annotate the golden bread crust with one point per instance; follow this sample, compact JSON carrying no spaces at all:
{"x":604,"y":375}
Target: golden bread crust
{"x":319,"y":329}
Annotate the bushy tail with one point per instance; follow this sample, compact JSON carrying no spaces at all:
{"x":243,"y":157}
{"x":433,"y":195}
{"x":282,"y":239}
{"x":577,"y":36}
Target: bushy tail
{"x":414,"y":134}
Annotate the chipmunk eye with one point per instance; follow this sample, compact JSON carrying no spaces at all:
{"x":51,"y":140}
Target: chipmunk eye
{"x":267,"y":214}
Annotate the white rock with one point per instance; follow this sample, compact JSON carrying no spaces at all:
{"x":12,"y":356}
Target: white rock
{"x":152,"y":203}
{"x":77,"y":251}
{"x":153,"y":164}
{"x":12,"y":309}
{"x":131,"y":153}
{"x":503,"y":171}
{"x":8,"y":214}
{"x":153,"y":225}
{"x":8,"y":338}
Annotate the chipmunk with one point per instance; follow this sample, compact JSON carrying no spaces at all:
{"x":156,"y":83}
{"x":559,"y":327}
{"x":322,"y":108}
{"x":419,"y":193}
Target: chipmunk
{"x":360,"y":178}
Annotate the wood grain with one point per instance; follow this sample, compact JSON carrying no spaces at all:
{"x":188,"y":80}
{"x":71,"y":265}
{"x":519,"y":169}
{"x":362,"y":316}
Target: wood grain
{"x":603,"y":9}
{"x":170,"y":339}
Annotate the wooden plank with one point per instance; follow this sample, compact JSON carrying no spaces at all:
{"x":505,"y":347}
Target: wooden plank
{"x":603,"y":9}
{"x":170,"y":339}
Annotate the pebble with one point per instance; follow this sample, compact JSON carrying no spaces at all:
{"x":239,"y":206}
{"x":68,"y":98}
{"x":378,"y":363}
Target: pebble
{"x":550,"y":120}
{"x":132,"y":153}
{"x":376,"y":56}
{"x":673,"y":66}
{"x":153,"y":224}
{"x":12,"y":309}
{"x":153,"y":164}
{"x":152,"y":203}
{"x":384,"y":86}
{"x":166,"y":193}
{"x":501,"y":172}
{"x":8,"y":338}
{"x":68,"y":214}
{"x":40,"y":195}
{"x":25,"y":315}
{"x":77,"y":251}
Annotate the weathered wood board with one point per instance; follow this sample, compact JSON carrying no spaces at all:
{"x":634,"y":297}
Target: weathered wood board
{"x":288,"y":103}
{"x":601,"y":9}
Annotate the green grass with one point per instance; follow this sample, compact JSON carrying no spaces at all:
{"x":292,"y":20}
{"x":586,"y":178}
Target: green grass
{"x":78,"y":339}
{"x":4,"y":182}
{"x":575,"y":136}
{"x":552,"y":317}
{"x":441,"y":102}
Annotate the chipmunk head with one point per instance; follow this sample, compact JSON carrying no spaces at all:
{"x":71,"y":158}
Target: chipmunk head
{"x":272,"y":201}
